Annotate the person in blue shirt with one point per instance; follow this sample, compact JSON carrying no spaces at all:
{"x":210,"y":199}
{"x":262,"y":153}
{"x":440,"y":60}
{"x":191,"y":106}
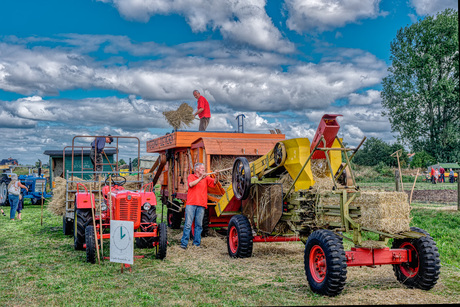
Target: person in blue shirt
{"x":97,"y":148}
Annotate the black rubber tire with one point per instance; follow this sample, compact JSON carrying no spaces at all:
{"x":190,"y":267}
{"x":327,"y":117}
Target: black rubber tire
{"x":325,"y":249}
{"x":90,"y":244}
{"x":67,"y":227}
{"x":174,"y":218}
{"x":82,"y":219}
{"x":162,"y":246}
{"x":4,"y":191}
{"x":423,"y":271}
{"x":151,"y":218}
{"x":241,"y":178}
{"x":239,"y":237}
{"x":205,"y":231}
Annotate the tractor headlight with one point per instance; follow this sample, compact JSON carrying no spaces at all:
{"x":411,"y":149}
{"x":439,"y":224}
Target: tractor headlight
{"x":147,"y":206}
{"x":103,"y":207}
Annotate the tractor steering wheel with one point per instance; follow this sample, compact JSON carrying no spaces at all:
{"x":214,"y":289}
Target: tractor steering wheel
{"x":119,"y":182}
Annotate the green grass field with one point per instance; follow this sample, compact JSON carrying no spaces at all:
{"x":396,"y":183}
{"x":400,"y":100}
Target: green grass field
{"x":40,"y":268}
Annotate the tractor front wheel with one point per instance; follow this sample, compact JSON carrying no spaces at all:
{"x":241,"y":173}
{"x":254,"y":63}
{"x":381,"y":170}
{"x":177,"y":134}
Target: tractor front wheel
{"x":148,"y":219}
{"x":90,"y":245}
{"x":82,"y":219}
{"x":422,"y":272}
{"x":239,"y":237}
{"x":163,"y":241}
{"x":325,"y":263}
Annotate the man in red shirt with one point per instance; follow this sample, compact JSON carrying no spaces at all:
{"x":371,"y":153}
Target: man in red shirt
{"x":197,"y":202}
{"x":203,"y":111}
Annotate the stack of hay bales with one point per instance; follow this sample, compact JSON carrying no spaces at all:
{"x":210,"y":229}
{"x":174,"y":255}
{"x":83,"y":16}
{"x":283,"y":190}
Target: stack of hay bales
{"x":182,"y":117}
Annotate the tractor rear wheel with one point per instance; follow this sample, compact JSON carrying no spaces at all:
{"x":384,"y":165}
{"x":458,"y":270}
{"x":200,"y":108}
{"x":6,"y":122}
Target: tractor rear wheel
{"x":239,"y":237}
{"x":149,"y":218}
{"x":325,"y":263}
{"x":82,"y":219}
{"x":163,"y":241}
{"x":90,"y":244}
{"x":422,"y":272}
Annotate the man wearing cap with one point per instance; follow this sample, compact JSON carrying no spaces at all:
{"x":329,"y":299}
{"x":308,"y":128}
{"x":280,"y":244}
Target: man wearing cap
{"x":97,"y":148}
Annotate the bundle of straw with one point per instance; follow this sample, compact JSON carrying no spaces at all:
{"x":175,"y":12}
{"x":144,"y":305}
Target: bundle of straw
{"x":182,"y":117}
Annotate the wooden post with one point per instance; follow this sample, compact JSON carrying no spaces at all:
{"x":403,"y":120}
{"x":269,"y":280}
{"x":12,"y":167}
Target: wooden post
{"x":397,"y":181}
{"x":413,"y":186}
{"x":93,"y":204}
{"x":458,"y":192}
{"x":399,"y":167}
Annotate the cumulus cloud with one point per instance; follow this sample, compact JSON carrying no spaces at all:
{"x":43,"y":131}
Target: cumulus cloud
{"x":323,"y":15}
{"x":258,"y":87}
{"x":431,"y":7}
{"x":244,"y":22}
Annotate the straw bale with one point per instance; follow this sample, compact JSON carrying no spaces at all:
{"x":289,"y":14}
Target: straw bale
{"x":182,"y":117}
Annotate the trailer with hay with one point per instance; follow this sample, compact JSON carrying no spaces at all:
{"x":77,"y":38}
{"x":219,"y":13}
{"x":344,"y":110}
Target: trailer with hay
{"x":88,"y":200}
{"x":293,"y":193}
{"x":180,"y":150}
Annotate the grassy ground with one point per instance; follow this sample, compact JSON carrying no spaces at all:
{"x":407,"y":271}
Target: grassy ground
{"x":40,"y":267}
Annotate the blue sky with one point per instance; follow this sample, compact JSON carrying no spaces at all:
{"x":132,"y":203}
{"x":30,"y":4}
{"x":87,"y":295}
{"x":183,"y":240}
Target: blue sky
{"x":94,"y":67}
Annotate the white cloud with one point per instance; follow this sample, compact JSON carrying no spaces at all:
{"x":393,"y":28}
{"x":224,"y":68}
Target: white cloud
{"x":323,"y":15}
{"x":244,"y":22}
{"x":234,"y":84}
{"x":431,"y":7}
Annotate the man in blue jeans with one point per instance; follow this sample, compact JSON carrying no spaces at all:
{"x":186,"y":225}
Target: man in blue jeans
{"x":197,"y":202}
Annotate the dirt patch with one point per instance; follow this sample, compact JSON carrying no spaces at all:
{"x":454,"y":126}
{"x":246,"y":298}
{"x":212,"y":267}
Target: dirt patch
{"x":434,"y":196}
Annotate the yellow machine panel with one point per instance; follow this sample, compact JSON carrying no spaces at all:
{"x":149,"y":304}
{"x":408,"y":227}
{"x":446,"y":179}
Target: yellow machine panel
{"x":297,"y":153}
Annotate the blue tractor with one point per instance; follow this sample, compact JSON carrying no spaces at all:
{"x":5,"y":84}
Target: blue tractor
{"x":35,"y":182}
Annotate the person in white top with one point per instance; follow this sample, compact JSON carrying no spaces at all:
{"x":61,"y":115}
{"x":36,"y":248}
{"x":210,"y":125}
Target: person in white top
{"x":14,"y":190}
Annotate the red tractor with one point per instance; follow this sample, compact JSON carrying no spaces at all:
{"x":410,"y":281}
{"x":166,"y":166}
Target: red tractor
{"x":118,"y":204}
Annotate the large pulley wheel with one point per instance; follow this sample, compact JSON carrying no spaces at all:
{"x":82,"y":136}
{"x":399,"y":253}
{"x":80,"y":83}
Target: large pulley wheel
{"x":279,"y":154}
{"x":241,"y":178}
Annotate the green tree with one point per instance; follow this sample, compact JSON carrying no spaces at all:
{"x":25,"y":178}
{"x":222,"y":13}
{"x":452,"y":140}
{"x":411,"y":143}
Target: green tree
{"x":121,"y":162}
{"x":421,"y":93}
{"x":422,"y":159}
{"x":375,"y":151}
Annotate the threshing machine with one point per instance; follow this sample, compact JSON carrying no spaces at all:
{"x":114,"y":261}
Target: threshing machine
{"x":180,"y":150}
{"x":278,"y":201}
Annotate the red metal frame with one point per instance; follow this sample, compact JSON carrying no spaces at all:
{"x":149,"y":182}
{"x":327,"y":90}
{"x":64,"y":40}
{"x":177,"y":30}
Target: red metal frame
{"x":274,"y":239}
{"x":380,"y":256}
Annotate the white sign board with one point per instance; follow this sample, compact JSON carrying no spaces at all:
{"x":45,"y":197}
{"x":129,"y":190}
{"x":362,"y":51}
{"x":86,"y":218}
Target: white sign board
{"x":122,"y":241}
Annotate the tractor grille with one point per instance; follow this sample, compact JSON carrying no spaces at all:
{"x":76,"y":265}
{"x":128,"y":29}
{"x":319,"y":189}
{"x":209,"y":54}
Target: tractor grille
{"x":129,"y":210}
{"x":40,"y":185}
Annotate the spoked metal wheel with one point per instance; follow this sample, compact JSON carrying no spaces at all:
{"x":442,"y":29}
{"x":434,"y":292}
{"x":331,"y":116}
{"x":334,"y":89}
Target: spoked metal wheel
{"x":241,"y":178}
{"x":279,"y":154}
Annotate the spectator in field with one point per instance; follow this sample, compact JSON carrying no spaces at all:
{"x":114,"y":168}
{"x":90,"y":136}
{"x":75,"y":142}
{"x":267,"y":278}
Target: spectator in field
{"x":97,"y":148}
{"x":433,"y":178}
{"x":14,"y":191}
{"x":203,"y":111}
{"x":451,"y":176}
{"x":436,"y":175}
{"x":197,"y":202}
{"x":441,"y":174}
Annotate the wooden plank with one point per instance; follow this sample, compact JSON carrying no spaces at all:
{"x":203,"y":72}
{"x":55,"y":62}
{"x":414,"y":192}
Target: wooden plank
{"x":186,"y":138}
